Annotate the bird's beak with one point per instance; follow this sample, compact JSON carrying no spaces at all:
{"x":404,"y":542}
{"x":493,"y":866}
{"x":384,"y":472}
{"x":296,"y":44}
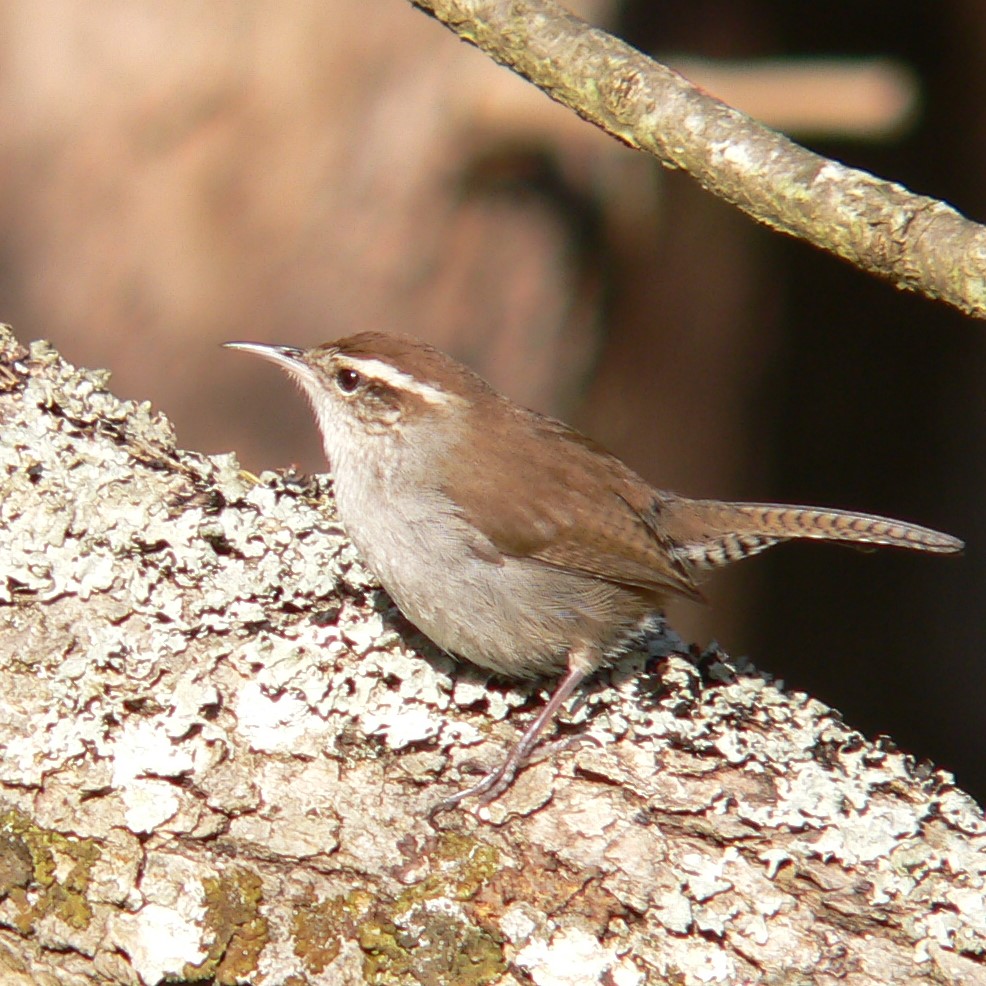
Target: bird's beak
{"x":287,"y":356}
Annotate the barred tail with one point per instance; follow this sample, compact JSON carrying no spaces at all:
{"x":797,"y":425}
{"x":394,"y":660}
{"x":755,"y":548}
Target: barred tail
{"x":709,"y":533}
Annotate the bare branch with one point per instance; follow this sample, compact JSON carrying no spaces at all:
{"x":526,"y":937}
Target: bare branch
{"x":918,"y":243}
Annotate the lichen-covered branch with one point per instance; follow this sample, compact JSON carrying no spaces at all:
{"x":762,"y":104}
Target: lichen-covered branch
{"x":220,"y":744}
{"x":917,"y":242}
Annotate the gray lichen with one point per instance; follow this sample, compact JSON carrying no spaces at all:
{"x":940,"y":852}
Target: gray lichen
{"x":220,"y":745}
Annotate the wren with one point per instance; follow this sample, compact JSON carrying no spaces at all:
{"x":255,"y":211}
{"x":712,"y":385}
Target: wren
{"x":509,"y":538}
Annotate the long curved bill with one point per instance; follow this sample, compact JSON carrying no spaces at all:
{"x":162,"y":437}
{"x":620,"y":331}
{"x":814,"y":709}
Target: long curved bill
{"x":287,"y":356}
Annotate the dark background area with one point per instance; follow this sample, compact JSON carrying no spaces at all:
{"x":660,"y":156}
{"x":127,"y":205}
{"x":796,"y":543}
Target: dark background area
{"x":876,"y":397}
{"x":177,"y":175}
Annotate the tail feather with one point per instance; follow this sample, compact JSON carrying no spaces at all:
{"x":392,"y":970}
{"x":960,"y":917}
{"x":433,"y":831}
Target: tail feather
{"x":713,"y":533}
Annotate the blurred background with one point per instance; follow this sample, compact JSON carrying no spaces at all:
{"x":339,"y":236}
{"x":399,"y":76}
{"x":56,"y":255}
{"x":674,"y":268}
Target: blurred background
{"x":175,"y":175}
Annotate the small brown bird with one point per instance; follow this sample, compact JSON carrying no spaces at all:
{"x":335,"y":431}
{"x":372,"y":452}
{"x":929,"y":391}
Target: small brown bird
{"x":509,"y":538}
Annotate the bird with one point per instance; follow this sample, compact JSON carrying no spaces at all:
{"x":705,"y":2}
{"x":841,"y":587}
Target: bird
{"x":507,"y":537}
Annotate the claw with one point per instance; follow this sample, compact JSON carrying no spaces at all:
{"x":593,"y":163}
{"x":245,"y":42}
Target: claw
{"x":497,"y":781}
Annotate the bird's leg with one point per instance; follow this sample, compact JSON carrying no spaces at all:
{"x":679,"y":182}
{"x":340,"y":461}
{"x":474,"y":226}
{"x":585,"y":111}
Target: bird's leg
{"x":497,"y":781}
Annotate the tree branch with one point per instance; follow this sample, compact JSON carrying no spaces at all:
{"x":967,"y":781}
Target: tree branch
{"x":220,"y":744}
{"x":918,"y":243}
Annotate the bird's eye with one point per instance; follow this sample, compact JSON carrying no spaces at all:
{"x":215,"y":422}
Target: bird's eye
{"x":348,"y":380}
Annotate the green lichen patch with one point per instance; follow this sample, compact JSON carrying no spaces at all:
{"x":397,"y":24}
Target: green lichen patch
{"x":236,"y":927}
{"x":431,"y":946}
{"x":57,"y":867}
{"x":422,"y":937}
{"x":16,"y":862}
{"x":425,"y":936}
{"x":462,"y":865}
{"x":320,"y":927}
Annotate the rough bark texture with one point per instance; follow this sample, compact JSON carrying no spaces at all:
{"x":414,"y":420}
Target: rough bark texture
{"x":220,"y":744}
{"x":919,"y":243}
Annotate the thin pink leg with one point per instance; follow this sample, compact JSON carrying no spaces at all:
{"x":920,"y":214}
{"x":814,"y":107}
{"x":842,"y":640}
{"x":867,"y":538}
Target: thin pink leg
{"x":498,"y":780}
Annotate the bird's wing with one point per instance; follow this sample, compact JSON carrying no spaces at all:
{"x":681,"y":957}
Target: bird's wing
{"x":568,"y":503}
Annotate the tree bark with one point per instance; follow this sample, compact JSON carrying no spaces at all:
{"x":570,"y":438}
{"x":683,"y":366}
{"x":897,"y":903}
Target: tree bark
{"x":221,"y":744}
{"x":917,"y":242}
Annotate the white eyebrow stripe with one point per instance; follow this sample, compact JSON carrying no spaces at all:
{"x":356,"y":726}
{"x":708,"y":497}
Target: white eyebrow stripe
{"x":377,"y":369}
